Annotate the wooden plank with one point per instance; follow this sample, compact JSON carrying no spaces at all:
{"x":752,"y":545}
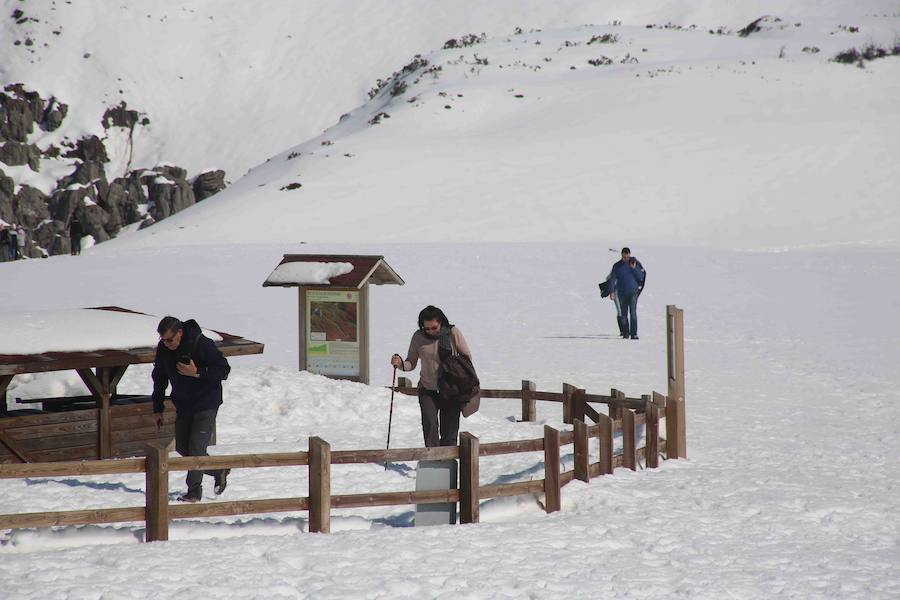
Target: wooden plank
{"x":582,"y":459}
{"x":595,"y":469}
{"x":497,"y":490}
{"x":58,"y":442}
{"x":659,"y":400}
{"x":48,"y":418}
{"x":394,"y":498}
{"x":127,"y":423}
{"x":81,"y":467}
{"x":566,"y":477}
{"x":319,"y":485}
{"x":605,"y":437}
{"x":671,"y":428}
{"x":512,"y":447}
{"x":468,"y":478}
{"x":651,"y":445}
{"x":394,"y":455}
{"x":72,"y":517}
{"x":157,"y":494}
{"x":552,"y":497}
{"x":591,"y":413}
{"x":499,"y":394}
{"x":681,"y":438}
{"x":237,"y":507}
{"x":578,"y":404}
{"x":14,"y":449}
{"x":147,"y":432}
{"x":548,"y":396}
{"x":566,"y":437}
{"x":52,"y":429}
{"x":66,"y":454}
{"x":239,"y":461}
{"x":529,"y":405}
{"x":4,"y":384}
{"x":568,"y":410}
{"x":628,"y":440}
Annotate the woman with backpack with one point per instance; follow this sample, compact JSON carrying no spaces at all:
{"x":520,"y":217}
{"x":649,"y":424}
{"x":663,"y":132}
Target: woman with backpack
{"x":441,"y":397}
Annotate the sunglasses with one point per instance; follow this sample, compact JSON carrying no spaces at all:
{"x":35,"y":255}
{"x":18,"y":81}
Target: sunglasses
{"x":170,"y":339}
{"x":432,"y":329}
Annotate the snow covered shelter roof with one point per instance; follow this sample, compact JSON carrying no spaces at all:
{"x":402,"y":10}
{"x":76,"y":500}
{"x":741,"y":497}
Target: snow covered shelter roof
{"x":58,"y":340}
{"x":338,"y":270}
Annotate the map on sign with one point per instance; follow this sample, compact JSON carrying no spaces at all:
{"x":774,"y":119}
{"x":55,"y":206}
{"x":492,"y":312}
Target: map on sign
{"x":332,"y":323}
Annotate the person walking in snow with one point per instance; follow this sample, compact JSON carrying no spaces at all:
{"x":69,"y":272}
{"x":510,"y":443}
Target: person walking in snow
{"x":440,"y":415}
{"x":21,"y":242}
{"x":13,"y":243}
{"x":76,"y":232}
{"x":21,"y":238}
{"x":4,"y":243}
{"x":194,"y":366}
{"x":626,"y":281}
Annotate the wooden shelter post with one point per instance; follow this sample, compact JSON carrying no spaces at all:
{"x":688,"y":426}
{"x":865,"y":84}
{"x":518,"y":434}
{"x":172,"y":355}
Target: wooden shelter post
{"x":675,"y":427}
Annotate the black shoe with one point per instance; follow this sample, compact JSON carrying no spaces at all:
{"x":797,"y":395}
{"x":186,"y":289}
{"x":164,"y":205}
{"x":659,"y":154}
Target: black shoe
{"x":221,"y":481}
{"x":189,"y":497}
{"x":634,"y":337}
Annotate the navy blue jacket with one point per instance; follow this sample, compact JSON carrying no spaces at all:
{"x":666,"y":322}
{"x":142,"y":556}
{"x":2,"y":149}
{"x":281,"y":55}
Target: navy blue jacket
{"x":190,"y":394}
{"x":625,"y":279}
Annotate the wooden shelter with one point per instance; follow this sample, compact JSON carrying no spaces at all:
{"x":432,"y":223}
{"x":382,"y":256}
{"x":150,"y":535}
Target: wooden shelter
{"x":104,"y":424}
{"x":334,"y":309}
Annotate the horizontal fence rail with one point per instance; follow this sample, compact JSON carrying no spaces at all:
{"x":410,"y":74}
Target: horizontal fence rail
{"x":625,"y":415}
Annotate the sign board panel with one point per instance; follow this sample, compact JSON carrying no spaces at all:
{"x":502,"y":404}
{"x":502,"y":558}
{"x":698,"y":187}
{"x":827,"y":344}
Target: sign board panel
{"x":333,"y":332}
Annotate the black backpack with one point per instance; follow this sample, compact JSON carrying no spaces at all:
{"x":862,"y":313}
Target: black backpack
{"x":458,"y":381}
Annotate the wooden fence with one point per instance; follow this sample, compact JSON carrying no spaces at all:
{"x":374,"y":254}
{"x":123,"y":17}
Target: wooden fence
{"x":625,"y":415}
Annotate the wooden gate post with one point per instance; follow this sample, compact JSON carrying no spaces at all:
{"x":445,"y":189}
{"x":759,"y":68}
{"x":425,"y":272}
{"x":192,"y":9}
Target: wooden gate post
{"x":675,"y":368}
{"x":552,"y":499}
{"x":651,"y":445}
{"x":529,"y":405}
{"x":605,"y":437}
{"x":156,"y":477}
{"x":582,"y":458}
{"x":615,"y":409}
{"x":629,"y":460}
{"x":319,"y":485}
{"x":469,"y":493}
{"x":568,"y":397}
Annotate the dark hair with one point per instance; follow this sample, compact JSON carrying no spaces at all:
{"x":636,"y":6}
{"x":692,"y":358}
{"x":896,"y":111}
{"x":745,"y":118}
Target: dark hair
{"x":169,"y":324}
{"x":433,"y":313}
{"x":626,"y":249}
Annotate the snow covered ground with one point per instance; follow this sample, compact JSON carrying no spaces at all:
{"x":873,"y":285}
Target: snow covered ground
{"x":506,"y":209}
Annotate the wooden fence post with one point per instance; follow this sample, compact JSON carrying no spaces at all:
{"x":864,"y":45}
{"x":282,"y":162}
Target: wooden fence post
{"x":552,"y":498}
{"x":156,"y":477}
{"x":568,"y":394}
{"x":629,"y":460}
{"x":582,"y":459}
{"x":681,"y":438}
{"x":672,"y":432}
{"x":529,"y":405}
{"x":651,"y":445}
{"x":605,"y":437}
{"x":319,"y":485}
{"x":615,"y":409}
{"x":675,"y":364}
{"x":469,"y":492}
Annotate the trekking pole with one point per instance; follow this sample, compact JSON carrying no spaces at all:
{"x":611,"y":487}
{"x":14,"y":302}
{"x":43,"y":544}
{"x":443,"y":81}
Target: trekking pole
{"x":390,"y":416}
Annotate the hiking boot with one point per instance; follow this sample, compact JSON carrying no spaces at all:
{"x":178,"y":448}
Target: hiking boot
{"x":189,"y":497}
{"x":222,"y":481}
{"x":634,"y":337}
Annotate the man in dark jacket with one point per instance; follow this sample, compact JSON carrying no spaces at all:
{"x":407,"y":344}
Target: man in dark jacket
{"x":195,"y":367}
{"x":626,"y":280}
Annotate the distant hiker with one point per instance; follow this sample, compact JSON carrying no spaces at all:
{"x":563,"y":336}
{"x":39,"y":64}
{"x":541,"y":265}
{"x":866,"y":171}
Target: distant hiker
{"x":440,"y":412}
{"x":195,"y":367}
{"x":76,"y":232}
{"x":13,"y":243}
{"x":4,"y":243}
{"x":21,"y":238}
{"x":626,"y":281}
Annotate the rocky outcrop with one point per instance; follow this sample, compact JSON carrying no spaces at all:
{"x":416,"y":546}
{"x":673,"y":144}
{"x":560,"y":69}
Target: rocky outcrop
{"x":103,"y":207}
{"x":208,"y":184}
{"x":18,"y":153}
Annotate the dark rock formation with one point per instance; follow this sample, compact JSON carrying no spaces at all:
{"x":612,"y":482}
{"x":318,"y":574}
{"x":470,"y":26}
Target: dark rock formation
{"x":208,"y":184}
{"x":30,"y":206}
{"x":17,"y":153}
{"x":168,"y":196}
{"x":89,"y":148}
{"x":120,"y":116}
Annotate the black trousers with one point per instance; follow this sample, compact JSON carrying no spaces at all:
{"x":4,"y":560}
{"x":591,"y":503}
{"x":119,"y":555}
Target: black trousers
{"x":192,"y":435}
{"x":438,"y":415}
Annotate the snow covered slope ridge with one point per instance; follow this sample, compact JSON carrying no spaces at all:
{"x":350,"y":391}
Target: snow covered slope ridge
{"x":653,"y":130}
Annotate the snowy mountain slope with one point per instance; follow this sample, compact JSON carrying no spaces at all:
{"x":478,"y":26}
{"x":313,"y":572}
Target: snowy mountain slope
{"x":685,"y":137}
